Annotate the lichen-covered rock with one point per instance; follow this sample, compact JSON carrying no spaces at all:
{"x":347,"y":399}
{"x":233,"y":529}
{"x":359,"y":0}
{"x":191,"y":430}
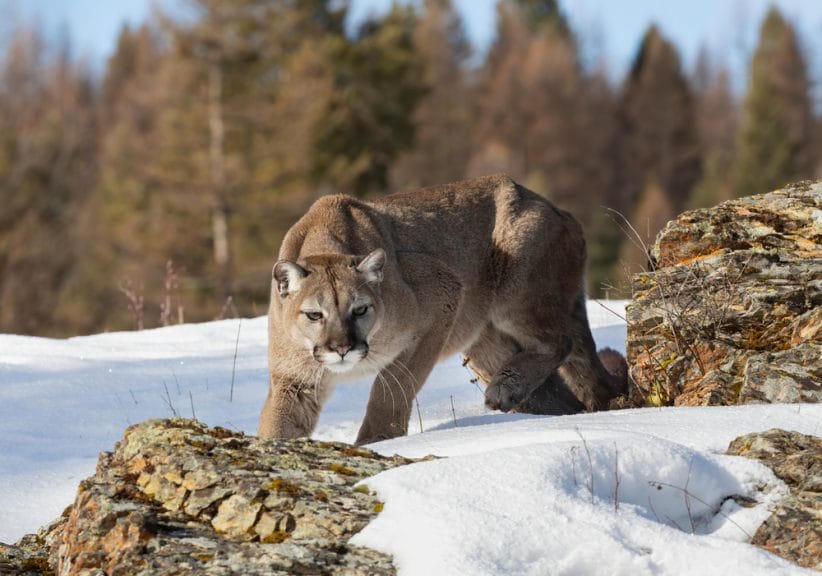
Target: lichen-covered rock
{"x":177,"y":497}
{"x":731,"y":311}
{"x":29,"y":557}
{"x":33,"y":554}
{"x":794,"y":530}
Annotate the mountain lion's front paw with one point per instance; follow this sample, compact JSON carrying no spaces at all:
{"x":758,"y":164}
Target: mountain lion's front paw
{"x":371,"y":432}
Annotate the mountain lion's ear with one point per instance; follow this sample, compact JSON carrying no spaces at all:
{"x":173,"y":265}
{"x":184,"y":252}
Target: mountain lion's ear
{"x":288,"y":276}
{"x":371,"y":266}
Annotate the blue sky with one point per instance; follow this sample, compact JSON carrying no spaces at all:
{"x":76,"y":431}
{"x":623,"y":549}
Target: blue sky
{"x":612,"y":28}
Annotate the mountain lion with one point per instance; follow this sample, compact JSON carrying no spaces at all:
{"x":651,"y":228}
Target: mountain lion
{"x":391,"y":286}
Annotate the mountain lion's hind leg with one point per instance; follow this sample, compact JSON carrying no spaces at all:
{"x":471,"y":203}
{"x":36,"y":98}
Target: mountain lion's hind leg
{"x":540,"y":331}
{"x":491,"y":351}
{"x":521,"y":375}
{"x":583,"y":370}
{"x":519,"y":381}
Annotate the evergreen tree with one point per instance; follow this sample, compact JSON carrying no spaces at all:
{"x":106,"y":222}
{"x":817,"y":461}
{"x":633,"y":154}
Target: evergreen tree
{"x":600,"y":168}
{"x":47,"y":148}
{"x":716,"y":123}
{"x":286,"y":98}
{"x":605,"y":242}
{"x":544,"y":15}
{"x":370,"y":116}
{"x":653,"y":211}
{"x":212,"y":142}
{"x":659,"y":140}
{"x":658,"y":124}
{"x":127,"y":239}
{"x":443,"y":116}
{"x":502,"y":105}
{"x":775,"y":135}
{"x":534,"y":107}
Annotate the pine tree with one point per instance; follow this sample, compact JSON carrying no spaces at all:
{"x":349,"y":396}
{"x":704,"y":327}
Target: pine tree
{"x":370,"y":116}
{"x":502,"y":106}
{"x":123,"y":239}
{"x":605,"y":242}
{"x":46,"y":170}
{"x":207,"y":158}
{"x":659,"y":148}
{"x":443,"y":116}
{"x":534,"y":107}
{"x":658,"y":124}
{"x":716,"y":123}
{"x":544,"y":15}
{"x":653,"y":211}
{"x":774,"y":144}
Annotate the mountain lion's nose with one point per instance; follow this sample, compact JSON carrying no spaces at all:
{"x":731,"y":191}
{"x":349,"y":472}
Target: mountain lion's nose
{"x":342,"y":349}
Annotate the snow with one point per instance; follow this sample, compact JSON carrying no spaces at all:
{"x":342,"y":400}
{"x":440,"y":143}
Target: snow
{"x":529,"y":509}
{"x":512,"y":494}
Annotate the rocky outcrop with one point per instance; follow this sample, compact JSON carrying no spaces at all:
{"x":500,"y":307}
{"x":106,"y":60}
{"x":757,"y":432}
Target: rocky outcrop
{"x":794,"y":530}
{"x":730,"y":312}
{"x":29,"y":557}
{"x":177,"y":497}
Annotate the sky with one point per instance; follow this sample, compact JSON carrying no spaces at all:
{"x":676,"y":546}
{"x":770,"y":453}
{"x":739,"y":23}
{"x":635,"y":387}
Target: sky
{"x":612,"y":29}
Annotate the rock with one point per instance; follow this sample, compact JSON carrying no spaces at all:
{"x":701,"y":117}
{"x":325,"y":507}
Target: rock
{"x":794,"y":530}
{"x":34,"y":554}
{"x":29,"y":557}
{"x":178,"y":497}
{"x":731,"y":311}
{"x":237,"y":515}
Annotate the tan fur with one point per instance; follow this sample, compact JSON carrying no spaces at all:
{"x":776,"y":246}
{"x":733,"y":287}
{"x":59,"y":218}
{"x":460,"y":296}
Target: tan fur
{"x":484,"y":267}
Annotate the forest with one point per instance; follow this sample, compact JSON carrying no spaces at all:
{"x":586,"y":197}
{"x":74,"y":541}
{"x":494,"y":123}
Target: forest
{"x":157,"y":191}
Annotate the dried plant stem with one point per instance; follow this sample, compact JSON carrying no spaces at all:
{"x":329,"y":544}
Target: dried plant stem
{"x":167,"y":399}
{"x":419,"y":413}
{"x":191,"y":399}
{"x":234,"y":364}
{"x":135,"y":301}
{"x":590,"y":484}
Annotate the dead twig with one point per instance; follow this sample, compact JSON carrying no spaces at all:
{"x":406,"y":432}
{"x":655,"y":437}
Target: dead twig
{"x":228,"y":308}
{"x":167,"y":399}
{"x":659,"y":485}
{"x":172,"y":295}
{"x":191,"y":399}
{"x":620,"y":316}
{"x":135,"y":299}
{"x":234,"y":363}
{"x":419,"y":414}
{"x":590,"y":484}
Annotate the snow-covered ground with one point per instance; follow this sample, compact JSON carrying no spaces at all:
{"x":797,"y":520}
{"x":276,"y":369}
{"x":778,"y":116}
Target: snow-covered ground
{"x":515,"y":495}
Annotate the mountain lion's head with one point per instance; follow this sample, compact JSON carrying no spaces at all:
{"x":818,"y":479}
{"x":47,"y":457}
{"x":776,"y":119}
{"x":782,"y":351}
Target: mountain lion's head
{"x":330,"y":304}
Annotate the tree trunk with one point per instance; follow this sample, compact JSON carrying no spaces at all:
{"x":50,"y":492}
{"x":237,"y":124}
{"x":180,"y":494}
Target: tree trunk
{"x":222,"y":247}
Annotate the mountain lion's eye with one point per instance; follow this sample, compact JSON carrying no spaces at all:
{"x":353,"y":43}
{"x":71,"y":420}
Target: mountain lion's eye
{"x":313,"y":316}
{"x":360,"y":311}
